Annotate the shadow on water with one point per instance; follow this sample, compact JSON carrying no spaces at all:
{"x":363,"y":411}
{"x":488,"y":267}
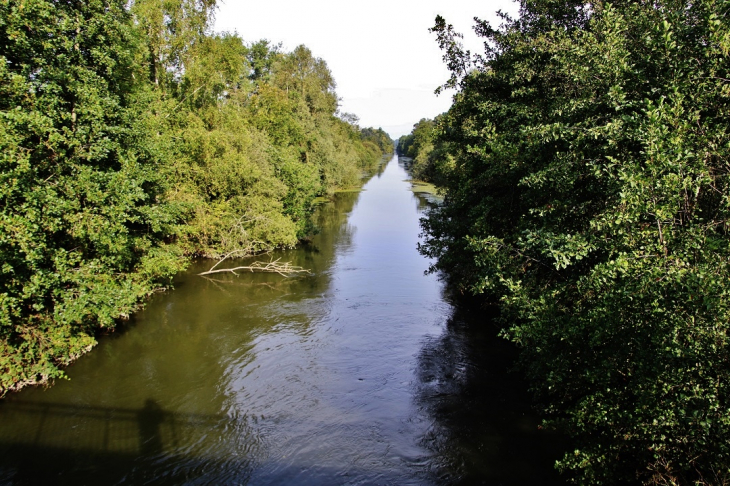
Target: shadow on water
{"x":150,"y":420}
{"x":77,"y":444}
{"x":151,"y":446}
{"x":483,"y":430}
{"x":179,"y":351}
{"x":346,"y":376}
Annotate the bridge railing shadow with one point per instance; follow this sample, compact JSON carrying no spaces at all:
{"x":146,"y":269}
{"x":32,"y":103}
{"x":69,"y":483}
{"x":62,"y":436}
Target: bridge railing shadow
{"x":55,"y":443}
{"x":144,"y":430}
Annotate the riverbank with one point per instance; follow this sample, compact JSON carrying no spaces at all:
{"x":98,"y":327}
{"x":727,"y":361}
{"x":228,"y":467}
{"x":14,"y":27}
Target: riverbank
{"x":364,"y":370}
{"x":429,"y":190}
{"x":58,"y":345}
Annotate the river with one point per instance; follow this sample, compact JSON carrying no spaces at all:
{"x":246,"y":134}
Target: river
{"x":361,"y":373}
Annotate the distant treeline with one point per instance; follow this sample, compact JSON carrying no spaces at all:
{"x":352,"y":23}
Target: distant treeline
{"x":586,"y":169}
{"x":132,"y":138}
{"x":429,"y":156}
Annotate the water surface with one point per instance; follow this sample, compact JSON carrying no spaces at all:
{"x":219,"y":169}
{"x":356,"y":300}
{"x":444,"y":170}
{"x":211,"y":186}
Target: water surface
{"x":361,"y":373}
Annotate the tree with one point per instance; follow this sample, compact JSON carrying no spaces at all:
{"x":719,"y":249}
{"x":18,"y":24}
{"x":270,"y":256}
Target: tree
{"x":131,"y":140}
{"x":261,"y":58}
{"x":588,"y":199}
{"x":171,"y":28}
{"x":300,"y":72}
{"x":82,"y":222}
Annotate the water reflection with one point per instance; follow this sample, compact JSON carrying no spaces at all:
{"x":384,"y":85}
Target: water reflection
{"x":191,"y":348}
{"x":482,"y":430}
{"x":350,"y":375}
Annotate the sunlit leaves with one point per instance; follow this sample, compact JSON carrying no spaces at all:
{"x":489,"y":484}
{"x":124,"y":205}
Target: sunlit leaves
{"x":589,"y":196}
{"x":131,"y":140}
{"x":80,"y":200}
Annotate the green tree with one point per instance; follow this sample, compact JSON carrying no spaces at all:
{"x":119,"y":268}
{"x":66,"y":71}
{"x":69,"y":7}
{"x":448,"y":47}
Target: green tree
{"x":301,"y":73}
{"x":130,"y":140}
{"x":588,"y":197}
{"x":380,"y":138}
{"x":81,"y":216}
{"x":261,"y":58}
{"x":170,"y":29}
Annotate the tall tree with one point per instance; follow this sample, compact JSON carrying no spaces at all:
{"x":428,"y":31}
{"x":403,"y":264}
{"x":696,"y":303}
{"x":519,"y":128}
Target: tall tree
{"x":589,"y":199}
{"x":81,"y":219}
{"x":171,"y":28}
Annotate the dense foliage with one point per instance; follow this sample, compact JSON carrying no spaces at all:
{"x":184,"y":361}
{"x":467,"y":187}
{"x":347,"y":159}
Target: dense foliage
{"x":430,"y":157}
{"x":131,"y":139}
{"x":587,"y":194}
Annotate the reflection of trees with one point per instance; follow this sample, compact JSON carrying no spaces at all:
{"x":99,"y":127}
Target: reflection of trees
{"x":316,"y":255}
{"x":201,"y":329}
{"x":482,"y":427}
{"x":425,"y":201}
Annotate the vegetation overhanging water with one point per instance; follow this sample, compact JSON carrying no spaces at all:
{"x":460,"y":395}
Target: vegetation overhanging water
{"x":362,"y":373}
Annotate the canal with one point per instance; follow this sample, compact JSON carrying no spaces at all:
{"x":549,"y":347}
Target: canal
{"x":363,"y":372}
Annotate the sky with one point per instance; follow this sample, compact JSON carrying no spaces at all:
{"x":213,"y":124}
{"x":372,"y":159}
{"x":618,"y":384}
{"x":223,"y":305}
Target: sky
{"x":385,"y":61}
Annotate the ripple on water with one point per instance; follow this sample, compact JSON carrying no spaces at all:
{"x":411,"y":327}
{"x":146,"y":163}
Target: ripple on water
{"x":362,"y":373}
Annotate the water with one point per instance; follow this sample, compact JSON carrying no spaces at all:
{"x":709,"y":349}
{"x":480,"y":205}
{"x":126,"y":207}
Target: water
{"x":362,"y":373}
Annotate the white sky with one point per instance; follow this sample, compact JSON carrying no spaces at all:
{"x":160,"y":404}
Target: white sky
{"x":385,"y":62}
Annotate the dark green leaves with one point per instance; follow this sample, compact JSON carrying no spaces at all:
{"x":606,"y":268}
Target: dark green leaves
{"x":588,"y":195}
{"x":130,"y":140}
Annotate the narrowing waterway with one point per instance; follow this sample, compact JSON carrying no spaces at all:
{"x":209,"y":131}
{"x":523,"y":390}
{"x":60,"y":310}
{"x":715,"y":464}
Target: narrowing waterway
{"x":361,"y":373}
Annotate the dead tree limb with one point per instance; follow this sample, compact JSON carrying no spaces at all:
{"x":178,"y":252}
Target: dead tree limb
{"x":244,"y":252}
{"x":285,"y":269}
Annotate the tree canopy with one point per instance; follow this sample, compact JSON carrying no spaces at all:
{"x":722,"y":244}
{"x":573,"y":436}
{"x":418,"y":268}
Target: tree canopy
{"x":131,"y":139}
{"x":585,"y":168}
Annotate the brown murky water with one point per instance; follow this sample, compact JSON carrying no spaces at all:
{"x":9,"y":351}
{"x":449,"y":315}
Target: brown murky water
{"x":362,"y":373}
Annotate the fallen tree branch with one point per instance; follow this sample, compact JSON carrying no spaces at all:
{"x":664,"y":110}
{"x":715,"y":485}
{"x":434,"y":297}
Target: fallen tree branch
{"x":285,"y":269}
